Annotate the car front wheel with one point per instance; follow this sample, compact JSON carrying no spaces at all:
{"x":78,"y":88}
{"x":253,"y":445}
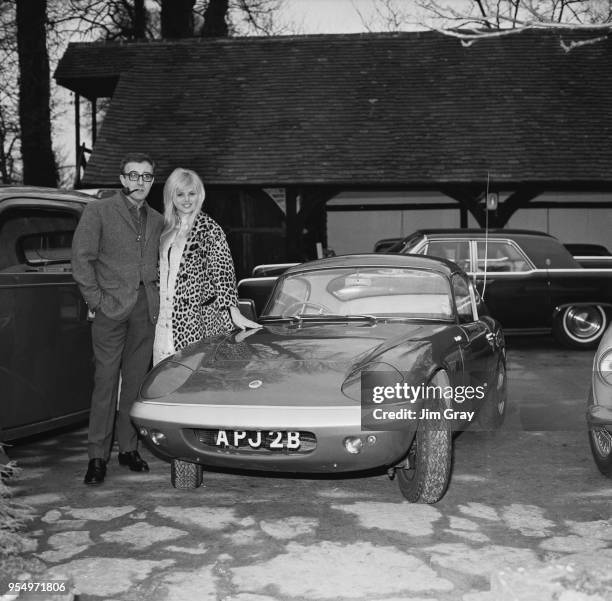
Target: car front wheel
{"x":492,"y":413}
{"x":425,"y":478}
{"x":580,"y":326}
{"x":600,"y":440}
{"x":184,"y":474}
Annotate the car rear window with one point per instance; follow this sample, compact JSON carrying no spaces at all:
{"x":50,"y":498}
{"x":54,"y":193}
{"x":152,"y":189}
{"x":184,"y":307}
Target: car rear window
{"x":33,"y":239}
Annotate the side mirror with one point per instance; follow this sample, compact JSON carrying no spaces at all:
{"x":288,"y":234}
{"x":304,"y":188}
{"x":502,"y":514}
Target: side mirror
{"x":247,"y":308}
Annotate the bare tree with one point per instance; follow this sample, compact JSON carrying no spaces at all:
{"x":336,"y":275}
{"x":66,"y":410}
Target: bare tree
{"x":35,"y":33}
{"x":135,"y":19}
{"x":9,"y":141}
{"x":140,"y":19}
{"x":39,"y":166}
{"x":258,"y":17}
{"x":177,"y":18}
{"x":386,"y":15}
{"x":476,"y":19}
{"x":239,"y":17}
{"x":101,"y":19}
{"x":215,"y":15}
{"x":9,"y":97}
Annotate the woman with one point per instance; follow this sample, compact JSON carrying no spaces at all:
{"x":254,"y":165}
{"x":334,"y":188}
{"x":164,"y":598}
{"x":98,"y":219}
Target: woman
{"x":197,"y":283}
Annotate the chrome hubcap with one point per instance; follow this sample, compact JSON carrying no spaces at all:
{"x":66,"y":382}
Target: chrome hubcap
{"x":583,"y":322}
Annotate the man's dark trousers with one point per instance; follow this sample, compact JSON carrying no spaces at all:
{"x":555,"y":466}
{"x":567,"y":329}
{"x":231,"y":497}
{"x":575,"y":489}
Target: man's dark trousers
{"x":125,"y":344}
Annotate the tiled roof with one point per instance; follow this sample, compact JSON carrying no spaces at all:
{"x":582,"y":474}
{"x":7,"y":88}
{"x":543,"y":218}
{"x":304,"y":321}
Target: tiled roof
{"x":410,"y":109}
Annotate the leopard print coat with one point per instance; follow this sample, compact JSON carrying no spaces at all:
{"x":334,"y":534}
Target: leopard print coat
{"x":205,"y":285}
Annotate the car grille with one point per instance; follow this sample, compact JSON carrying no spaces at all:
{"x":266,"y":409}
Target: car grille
{"x":207,"y":438}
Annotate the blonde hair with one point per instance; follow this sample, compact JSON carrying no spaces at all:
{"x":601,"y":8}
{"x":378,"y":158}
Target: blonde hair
{"x":181,"y":179}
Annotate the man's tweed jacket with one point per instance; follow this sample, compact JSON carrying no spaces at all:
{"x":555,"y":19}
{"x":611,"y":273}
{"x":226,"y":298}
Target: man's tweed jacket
{"x":107,"y":261}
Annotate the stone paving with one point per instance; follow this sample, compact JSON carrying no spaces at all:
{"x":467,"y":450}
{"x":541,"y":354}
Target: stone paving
{"x":527,"y":516}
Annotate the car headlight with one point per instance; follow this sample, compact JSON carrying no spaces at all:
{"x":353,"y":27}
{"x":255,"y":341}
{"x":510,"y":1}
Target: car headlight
{"x":351,"y":387}
{"x":169,"y":376}
{"x":604,"y":366}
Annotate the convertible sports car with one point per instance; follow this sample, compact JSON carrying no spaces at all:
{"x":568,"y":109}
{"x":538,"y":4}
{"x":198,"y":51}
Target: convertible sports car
{"x":599,"y":406}
{"x":363,"y":362}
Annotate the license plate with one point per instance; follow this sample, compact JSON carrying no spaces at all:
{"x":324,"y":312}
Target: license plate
{"x":257,"y":439}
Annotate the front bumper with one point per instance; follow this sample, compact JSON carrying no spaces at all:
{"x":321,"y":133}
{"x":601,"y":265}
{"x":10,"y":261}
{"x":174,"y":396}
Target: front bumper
{"x":599,"y":414}
{"x":331,"y":426}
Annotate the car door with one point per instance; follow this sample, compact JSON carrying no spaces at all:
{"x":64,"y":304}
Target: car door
{"x":478,"y":341}
{"x":46,"y":369}
{"x":515,"y":292}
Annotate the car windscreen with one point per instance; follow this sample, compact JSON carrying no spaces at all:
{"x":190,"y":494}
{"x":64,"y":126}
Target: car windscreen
{"x":379,"y":291}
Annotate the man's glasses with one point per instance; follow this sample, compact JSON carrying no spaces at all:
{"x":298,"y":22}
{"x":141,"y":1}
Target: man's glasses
{"x":134,"y":176}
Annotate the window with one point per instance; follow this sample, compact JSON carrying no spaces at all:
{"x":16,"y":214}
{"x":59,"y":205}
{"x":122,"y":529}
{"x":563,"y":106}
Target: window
{"x":463,"y":299}
{"x":501,"y":256}
{"x":457,"y":251}
{"x":35,"y":239}
{"x":405,"y":292}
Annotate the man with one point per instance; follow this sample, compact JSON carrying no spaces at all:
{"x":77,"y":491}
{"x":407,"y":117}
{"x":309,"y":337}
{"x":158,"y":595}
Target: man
{"x":114,"y":262}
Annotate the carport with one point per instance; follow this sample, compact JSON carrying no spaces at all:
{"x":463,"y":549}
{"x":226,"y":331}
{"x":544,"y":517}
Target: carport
{"x":278,"y":126}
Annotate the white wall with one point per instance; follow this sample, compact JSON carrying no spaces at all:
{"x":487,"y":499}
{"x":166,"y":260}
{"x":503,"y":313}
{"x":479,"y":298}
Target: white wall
{"x":358,"y":231}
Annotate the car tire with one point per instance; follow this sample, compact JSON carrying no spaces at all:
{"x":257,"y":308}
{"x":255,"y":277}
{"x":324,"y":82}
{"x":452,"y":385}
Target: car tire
{"x":426,"y":477}
{"x":493,"y":411}
{"x":580,"y":326}
{"x":600,"y":440}
{"x":184,"y":474}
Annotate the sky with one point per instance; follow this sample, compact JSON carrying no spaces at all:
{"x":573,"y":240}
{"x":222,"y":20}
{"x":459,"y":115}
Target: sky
{"x":327,"y":16}
{"x":334,"y":16}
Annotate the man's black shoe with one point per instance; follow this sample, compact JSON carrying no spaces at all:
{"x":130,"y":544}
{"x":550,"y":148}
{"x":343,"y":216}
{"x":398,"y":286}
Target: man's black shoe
{"x":96,"y":470}
{"x":134,"y":461}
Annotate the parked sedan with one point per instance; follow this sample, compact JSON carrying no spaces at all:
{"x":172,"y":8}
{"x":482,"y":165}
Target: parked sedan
{"x":531,"y":281}
{"x":45,"y":347}
{"x":364,"y":362}
{"x":599,"y":406}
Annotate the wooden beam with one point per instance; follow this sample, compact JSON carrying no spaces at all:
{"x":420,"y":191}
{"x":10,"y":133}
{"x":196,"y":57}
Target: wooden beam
{"x":552,"y":204}
{"x":519,"y":199}
{"x":463,"y":217}
{"x":313,"y":198}
{"x":469,"y":197}
{"x":404,"y":206}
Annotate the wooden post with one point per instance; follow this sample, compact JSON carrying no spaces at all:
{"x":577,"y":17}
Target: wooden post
{"x":247,"y":222}
{"x":94,"y":123}
{"x":291,"y":233}
{"x":77,"y":139}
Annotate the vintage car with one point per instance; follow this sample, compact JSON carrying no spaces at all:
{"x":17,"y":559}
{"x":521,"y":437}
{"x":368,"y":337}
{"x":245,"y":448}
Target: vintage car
{"x":599,"y":406}
{"x":299,"y":394}
{"x":531,"y":282}
{"x":45,"y":346}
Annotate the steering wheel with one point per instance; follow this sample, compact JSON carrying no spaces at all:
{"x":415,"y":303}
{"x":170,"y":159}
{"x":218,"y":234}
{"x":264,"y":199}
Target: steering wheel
{"x":302,"y":306}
